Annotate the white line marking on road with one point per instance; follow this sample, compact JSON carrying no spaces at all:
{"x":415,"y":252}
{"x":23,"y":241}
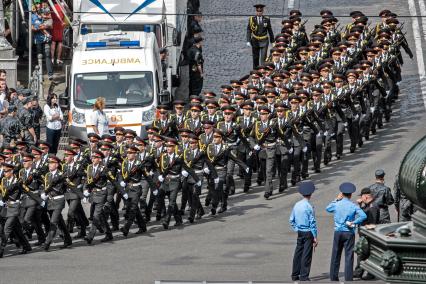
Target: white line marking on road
{"x":290,"y":4}
{"x":418,"y":42}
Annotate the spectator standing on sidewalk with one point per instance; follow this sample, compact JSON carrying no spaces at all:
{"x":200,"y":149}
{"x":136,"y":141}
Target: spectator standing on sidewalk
{"x":54,"y":118}
{"x":57,"y":35}
{"x":41,"y":37}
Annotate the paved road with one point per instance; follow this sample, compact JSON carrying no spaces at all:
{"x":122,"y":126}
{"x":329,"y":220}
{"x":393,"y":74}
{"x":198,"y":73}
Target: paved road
{"x":253,"y":240}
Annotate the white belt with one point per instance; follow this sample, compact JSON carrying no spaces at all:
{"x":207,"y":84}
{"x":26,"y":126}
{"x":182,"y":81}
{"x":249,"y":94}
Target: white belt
{"x":14,"y":202}
{"x":233,"y":144}
{"x":219,"y":168}
{"x":58,"y":197}
{"x":199,"y":172}
{"x":269,"y":144}
{"x":173,"y":176}
{"x":100,"y":189}
{"x":135,"y":184}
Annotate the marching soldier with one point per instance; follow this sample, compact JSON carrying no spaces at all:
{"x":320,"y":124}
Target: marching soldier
{"x":218,"y":154}
{"x":73,"y":173}
{"x":293,"y":116}
{"x":178,"y":117}
{"x":53,"y":194}
{"x":31,"y":180}
{"x":196,"y":159}
{"x":95,"y":188}
{"x":264,"y":137}
{"x":228,"y":128}
{"x":245,"y":152}
{"x":284,"y":144}
{"x":11,"y":192}
{"x":193,"y":123}
{"x":207,"y":137}
{"x":130,"y":179}
{"x":171,"y":165}
{"x":164,"y":123}
{"x":258,"y":29}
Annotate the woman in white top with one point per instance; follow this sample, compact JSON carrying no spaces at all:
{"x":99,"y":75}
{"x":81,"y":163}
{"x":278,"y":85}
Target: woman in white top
{"x":54,"y":118}
{"x":99,"y":118}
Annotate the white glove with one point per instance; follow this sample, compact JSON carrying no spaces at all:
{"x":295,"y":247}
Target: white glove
{"x":356,"y":117}
{"x":305,"y":149}
{"x":216,"y":180}
{"x":319,"y":134}
{"x":160,"y":178}
{"x":206,"y":171}
{"x":155,"y":192}
{"x":122,"y":184}
{"x":125,"y":196}
{"x":43,"y":196}
{"x":247,"y":170}
{"x":290,"y":151}
{"x":198,"y":183}
{"x":372,"y":109}
{"x":248,"y":44}
{"x":256,"y":147}
{"x":326,"y":133}
{"x":151,"y":173}
{"x":1,"y":203}
{"x":345,"y":124}
{"x":185,"y":173}
{"x":43,"y":204}
{"x":86,"y":193}
{"x":85,"y":200}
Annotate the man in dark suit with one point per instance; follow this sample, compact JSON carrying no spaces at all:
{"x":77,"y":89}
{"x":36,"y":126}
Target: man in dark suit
{"x":258,"y":29}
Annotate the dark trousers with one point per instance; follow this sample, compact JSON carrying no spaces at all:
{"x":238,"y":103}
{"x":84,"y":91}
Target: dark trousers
{"x":32,"y":220}
{"x":342,"y":240}
{"x":57,"y":221}
{"x":76,"y":215}
{"x":196,"y":206}
{"x":44,"y":48}
{"x":195,"y":83}
{"x":133,"y":213}
{"x":99,"y":221}
{"x":283,"y":166}
{"x":295,"y":174}
{"x":53,"y":137}
{"x":302,"y":258}
{"x":186,"y":197}
{"x":259,"y":51}
{"x":305,"y":159}
{"x":12,"y":226}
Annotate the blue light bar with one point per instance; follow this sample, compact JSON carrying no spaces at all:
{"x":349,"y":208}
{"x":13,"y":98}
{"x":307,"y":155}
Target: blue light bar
{"x":130,"y":43}
{"x":123,"y":43}
{"x":96,"y":44}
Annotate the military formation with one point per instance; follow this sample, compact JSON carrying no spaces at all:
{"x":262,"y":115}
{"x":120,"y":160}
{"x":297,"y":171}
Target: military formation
{"x":286,"y":118}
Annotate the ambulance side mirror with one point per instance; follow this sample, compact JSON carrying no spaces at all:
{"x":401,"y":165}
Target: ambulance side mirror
{"x":64,"y":100}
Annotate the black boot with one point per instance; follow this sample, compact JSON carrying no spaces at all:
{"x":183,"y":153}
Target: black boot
{"x":108,"y":237}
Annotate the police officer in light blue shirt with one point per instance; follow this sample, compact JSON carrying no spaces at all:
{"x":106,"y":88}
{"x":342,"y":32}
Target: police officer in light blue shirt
{"x":346,"y":216}
{"x":302,"y":220}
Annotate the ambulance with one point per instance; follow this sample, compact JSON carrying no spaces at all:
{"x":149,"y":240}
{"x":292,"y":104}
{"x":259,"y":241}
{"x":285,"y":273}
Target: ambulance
{"x":166,"y":19}
{"x":122,"y":67}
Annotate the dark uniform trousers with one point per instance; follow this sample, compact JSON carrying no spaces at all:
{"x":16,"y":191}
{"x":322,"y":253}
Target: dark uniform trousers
{"x":283,"y":164}
{"x":216,"y":191}
{"x":346,"y":241}
{"x":110,"y":207}
{"x":194,"y":194}
{"x":31,"y":217}
{"x":12,"y":226}
{"x":55,"y":207}
{"x":170,"y":188}
{"x":133,"y":211}
{"x":267,"y":157}
{"x":99,"y":196}
{"x":302,"y":258}
{"x":186,"y":197}
{"x":316,"y":149}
